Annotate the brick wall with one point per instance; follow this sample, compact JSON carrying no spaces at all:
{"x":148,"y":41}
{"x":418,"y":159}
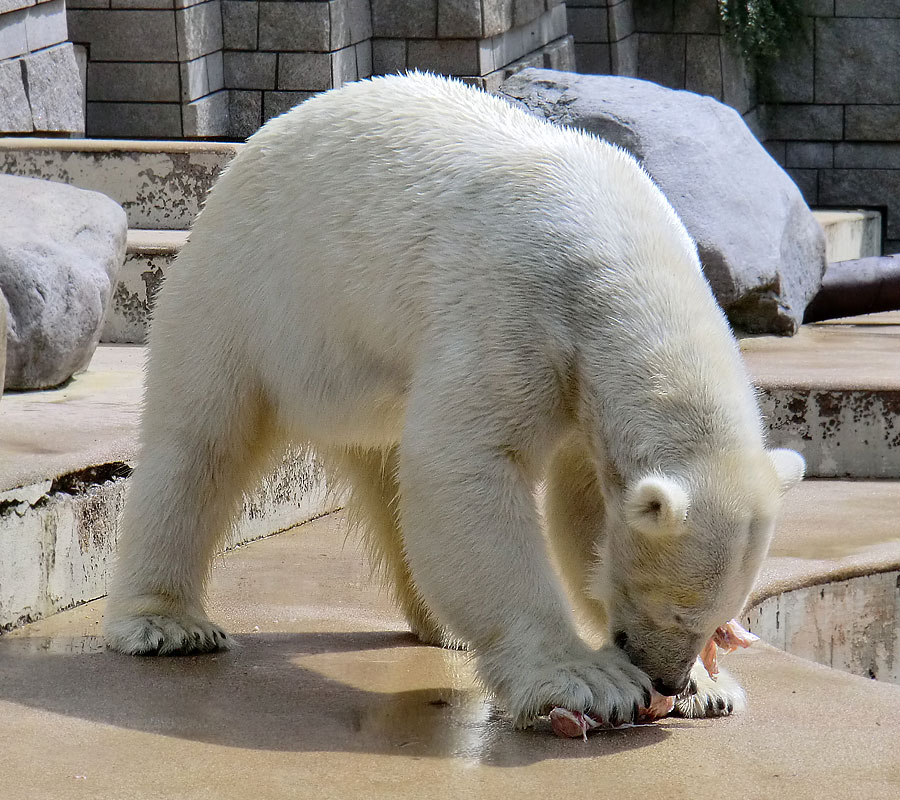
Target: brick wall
{"x":831,"y":110}
{"x":278,"y":53}
{"x":40,"y":81}
{"x":154,"y":69}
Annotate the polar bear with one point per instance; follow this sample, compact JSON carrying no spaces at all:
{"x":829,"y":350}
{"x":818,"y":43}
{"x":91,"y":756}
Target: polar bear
{"x":460,"y":307}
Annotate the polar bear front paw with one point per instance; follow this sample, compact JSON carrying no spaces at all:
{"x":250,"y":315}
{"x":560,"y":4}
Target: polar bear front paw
{"x":713,"y":698}
{"x":157,"y":634}
{"x":603,"y":684}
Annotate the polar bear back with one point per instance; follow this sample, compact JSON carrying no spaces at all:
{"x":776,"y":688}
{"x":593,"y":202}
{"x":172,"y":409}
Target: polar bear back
{"x":374,"y":222}
{"x":402,"y":185}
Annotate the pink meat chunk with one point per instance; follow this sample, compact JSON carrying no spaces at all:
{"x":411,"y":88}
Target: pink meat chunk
{"x":576,"y":724}
{"x":729,"y":637}
{"x":571,"y":724}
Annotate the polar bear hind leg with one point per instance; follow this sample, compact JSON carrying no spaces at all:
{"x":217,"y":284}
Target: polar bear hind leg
{"x":373,"y":508}
{"x":574,"y":514}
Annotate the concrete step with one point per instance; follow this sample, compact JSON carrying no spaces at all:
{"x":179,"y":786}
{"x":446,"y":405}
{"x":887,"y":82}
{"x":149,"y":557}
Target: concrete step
{"x":161,"y":185}
{"x":833,"y":393}
{"x":65,"y":458}
{"x":850,"y":234}
{"x":148,"y":256}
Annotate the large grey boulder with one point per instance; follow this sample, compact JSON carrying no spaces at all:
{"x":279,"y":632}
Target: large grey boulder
{"x":762,"y":251}
{"x":60,"y":251}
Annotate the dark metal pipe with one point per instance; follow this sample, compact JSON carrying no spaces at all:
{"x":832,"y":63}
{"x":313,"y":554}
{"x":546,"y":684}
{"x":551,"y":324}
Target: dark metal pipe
{"x":863,"y":286}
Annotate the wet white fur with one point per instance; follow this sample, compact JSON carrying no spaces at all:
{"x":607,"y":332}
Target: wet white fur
{"x":445,"y":298}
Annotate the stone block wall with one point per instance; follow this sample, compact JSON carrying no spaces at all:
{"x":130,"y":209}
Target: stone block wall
{"x":221,"y":68}
{"x":675,"y":43}
{"x":41,"y":88}
{"x":831,"y":108}
{"x":278,"y":53}
{"x":155,"y":67}
{"x":483,"y":42}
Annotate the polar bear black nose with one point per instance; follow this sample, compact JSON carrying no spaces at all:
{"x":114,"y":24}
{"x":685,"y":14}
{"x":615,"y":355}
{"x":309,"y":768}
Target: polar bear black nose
{"x":669,"y":689}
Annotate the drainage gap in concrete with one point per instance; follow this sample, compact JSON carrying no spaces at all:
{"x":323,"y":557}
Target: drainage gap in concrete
{"x":77,"y":482}
{"x":849,"y":625}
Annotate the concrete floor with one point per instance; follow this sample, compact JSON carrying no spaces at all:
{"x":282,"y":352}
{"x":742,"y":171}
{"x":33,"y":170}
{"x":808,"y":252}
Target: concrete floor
{"x":329,"y":697}
{"x":91,"y":419}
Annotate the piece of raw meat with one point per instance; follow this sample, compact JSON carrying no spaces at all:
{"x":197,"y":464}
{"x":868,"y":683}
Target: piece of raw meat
{"x":575,"y":724}
{"x":729,"y":637}
{"x":571,"y":724}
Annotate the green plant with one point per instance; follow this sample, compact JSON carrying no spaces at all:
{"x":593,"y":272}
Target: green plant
{"x":761,"y":28}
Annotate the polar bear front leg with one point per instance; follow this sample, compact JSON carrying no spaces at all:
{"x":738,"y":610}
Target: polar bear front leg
{"x":155,"y":603}
{"x":192,"y":472}
{"x":476,"y":552}
{"x":712,"y":698}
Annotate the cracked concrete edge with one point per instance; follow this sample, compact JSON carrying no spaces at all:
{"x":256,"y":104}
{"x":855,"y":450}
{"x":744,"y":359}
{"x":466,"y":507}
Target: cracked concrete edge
{"x":845,"y":433}
{"x":57,"y":537}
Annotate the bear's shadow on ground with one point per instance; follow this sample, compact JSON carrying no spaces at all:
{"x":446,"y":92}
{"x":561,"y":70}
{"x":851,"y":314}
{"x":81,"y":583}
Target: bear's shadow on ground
{"x":259,"y":697}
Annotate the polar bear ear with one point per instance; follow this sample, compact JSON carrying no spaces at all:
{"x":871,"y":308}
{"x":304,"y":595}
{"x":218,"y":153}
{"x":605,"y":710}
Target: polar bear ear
{"x":789,"y":466}
{"x":657,"y":506}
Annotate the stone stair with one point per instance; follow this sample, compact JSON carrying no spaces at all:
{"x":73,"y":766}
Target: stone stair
{"x":832,"y":392}
{"x":148,"y":256}
{"x":161,"y":186}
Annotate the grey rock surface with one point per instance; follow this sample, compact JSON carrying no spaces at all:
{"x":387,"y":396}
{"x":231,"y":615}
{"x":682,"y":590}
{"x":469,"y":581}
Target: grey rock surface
{"x":762,"y":251}
{"x":60,"y":251}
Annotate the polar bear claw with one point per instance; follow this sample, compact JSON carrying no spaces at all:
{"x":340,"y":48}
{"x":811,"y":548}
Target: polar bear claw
{"x":155,"y":634}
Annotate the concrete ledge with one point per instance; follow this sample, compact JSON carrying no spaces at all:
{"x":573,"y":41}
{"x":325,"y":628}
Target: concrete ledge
{"x":841,"y":433}
{"x":57,"y":538}
{"x":833,"y":393}
{"x":148,"y":256}
{"x":850,"y":625}
{"x":161,"y":185}
{"x":850,"y":234}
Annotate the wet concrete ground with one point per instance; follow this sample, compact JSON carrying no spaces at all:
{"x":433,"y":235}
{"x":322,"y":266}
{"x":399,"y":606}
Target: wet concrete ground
{"x":328,"y":696}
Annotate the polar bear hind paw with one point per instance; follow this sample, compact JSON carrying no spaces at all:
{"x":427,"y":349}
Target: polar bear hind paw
{"x":712,"y":698}
{"x":155,"y":634}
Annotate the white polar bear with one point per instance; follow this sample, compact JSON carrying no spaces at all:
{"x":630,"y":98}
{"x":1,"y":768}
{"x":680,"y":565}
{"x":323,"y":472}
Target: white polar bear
{"x":452,"y":301}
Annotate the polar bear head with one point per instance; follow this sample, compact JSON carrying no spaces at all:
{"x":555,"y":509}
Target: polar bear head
{"x":682,"y":552}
